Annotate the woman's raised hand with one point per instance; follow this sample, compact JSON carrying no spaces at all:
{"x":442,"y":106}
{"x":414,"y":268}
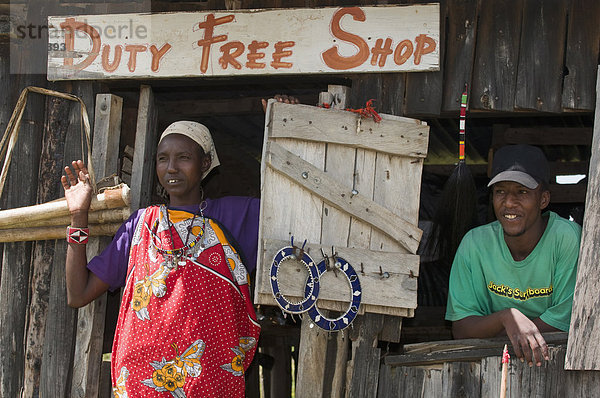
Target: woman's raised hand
{"x":78,"y":189}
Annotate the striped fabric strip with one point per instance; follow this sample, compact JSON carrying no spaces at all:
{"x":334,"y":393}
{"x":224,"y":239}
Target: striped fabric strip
{"x":461,"y":135}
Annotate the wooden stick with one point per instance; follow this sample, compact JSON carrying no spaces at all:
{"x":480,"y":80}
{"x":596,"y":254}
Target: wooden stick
{"x":50,"y":233}
{"x":109,"y":199}
{"x":505,"y":358}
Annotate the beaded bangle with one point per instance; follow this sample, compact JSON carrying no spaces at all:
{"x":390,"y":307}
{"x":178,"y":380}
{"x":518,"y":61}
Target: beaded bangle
{"x":312,"y":284}
{"x":78,"y":235}
{"x":344,"y":320}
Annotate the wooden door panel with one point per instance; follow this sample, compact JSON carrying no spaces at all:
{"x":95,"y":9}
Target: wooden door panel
{"x":348,"y":185}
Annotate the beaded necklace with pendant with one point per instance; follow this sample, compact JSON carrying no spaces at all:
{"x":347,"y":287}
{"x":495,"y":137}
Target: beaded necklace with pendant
{"x":175,"y":256}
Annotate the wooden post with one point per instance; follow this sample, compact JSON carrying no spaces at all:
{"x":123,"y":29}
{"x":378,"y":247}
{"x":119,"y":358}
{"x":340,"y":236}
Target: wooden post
{"x":340,"y":95}
{"x":365,"y":357}
{"x":107,"y":134}
{"x":581,"y":355}
{"x":340,"y":365}
{"x":55,"y":131}
{"x":145,"y":149}
{"x":90,"y":322}
{"x":311,"y":360}
{"x":61,"y":324}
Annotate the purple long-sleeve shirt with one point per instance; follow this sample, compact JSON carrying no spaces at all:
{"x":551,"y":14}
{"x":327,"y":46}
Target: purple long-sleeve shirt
{"x":238,"y":214}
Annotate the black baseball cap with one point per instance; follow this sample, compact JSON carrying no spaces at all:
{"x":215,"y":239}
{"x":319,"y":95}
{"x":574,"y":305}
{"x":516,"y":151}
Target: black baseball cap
{"x":524,"y":164}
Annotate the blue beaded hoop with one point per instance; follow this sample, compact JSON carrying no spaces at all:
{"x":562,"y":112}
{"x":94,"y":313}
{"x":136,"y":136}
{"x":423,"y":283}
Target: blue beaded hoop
{"x":345,"y":319}
{"x":311,"y":291}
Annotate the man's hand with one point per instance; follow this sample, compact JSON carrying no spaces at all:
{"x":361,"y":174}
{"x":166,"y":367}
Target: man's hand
{"x":525,"y":337}
{"x":524,"y":333}
{"x":286,"y":99}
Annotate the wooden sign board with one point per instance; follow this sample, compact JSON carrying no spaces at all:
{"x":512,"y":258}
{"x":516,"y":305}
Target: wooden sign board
{"x":226,"y":43}
{"x":346,"y":185}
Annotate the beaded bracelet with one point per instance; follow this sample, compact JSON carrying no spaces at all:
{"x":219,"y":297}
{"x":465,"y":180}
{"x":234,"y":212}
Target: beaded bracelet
{"x":78,"y":235}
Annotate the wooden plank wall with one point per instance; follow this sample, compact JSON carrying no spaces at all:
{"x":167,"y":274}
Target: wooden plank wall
{"x":20,"y":190}
{"x":491,"y":45}
{"x":494,"y":75}
{"x":481,"y":378}
{"x":515,"y":55}
{"x":581,"y":354}
{"x":460,"y":50}
{"x":581,"y":57}
{"x":540,"y":68}
{"x":37,"y":329}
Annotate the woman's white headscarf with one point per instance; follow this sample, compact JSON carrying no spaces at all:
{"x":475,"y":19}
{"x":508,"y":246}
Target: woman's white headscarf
{"x":200,"y":134}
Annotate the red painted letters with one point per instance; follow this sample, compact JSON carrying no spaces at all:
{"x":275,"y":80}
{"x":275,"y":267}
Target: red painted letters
{"x":71,"y":26}
{"x":381,"y":50}
{"x":209,"y":26}
{"x":331,"y":57}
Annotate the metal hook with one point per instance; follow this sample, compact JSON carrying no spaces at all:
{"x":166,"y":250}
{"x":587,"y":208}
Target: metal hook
{"x":293,"y":256}
{"x":383,"y":275}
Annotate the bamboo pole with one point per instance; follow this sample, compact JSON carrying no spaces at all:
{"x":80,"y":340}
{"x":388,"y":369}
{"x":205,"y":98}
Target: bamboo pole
{"x":50,"y":233}
{"x":109,"y":199}
{"x":107,"y":216}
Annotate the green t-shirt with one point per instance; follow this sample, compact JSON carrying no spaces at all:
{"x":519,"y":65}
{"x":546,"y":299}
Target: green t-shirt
{"x":486,"y":279}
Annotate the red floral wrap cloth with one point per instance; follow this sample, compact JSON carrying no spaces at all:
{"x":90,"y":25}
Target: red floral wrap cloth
{"x":186,"y":326}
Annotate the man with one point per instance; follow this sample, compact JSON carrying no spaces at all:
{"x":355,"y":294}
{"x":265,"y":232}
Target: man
{"x":516,"y":275}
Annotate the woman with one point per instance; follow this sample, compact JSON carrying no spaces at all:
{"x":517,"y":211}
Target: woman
{"x":186,"y":324}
